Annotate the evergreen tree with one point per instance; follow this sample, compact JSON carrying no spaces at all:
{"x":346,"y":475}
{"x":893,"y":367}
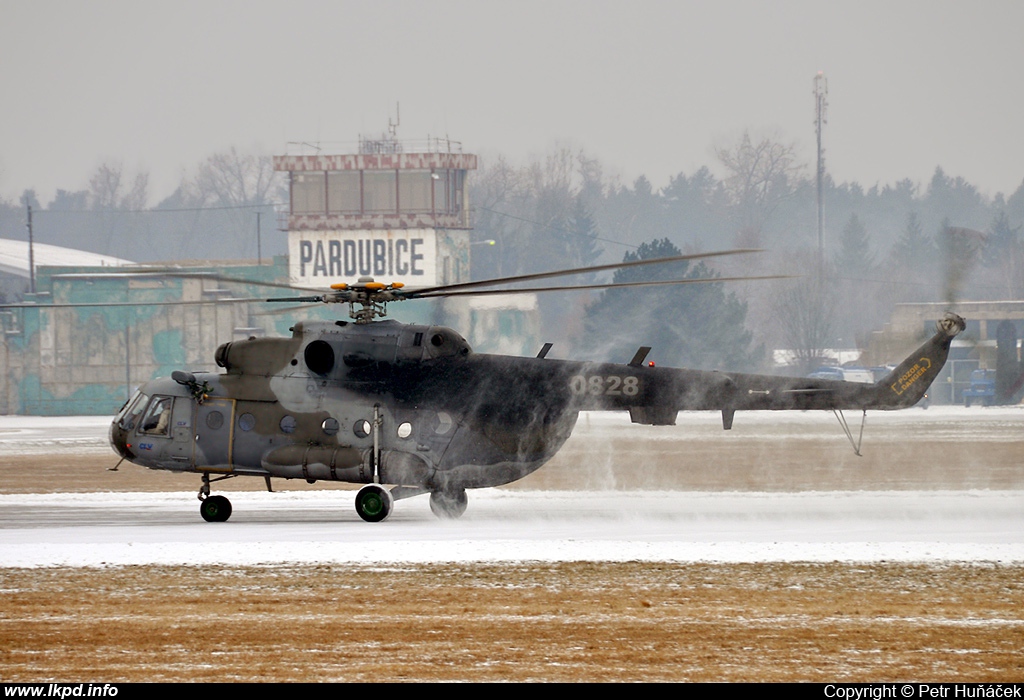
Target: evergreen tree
{"x":953,"y":198}
{"x":696,"y":208}
{"x":1003,"y":255}
{"x":913,"y":264}
{"x":688,"y":325}
{"x":584,"y":250}
{"x":959,"y":250}
{"x":913,"y":244}
{"x":854,"y":275}
{"x":1015,"y":206}
{"x":854,"y":259}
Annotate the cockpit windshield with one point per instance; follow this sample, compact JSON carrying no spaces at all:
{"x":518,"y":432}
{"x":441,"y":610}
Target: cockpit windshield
{"x":129,"y":414}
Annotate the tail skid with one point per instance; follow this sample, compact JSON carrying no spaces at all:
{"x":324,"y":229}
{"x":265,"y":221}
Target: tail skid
{"x":907,"y":384}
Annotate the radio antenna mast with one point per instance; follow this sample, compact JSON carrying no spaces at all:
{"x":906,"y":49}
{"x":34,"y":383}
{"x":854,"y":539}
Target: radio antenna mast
{"x":820,"y":107}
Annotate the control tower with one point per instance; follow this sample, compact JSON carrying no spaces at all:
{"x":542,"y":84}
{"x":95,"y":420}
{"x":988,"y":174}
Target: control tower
{"x":394,"y":210}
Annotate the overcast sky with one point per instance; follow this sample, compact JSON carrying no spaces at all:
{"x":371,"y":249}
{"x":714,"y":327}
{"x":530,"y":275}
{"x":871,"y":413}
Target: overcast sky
{"x":647,"y":87}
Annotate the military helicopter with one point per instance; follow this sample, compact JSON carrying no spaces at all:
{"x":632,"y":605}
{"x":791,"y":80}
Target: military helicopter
{"x":411,"y":410}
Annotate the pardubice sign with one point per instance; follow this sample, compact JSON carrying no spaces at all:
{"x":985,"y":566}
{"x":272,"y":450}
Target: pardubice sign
{"x":321,"y":258}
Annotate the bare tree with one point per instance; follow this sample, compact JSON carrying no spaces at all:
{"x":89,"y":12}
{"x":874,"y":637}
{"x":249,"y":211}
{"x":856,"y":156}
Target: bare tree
{"x":107,"y":193}
{"x":105,"y":186}
{"x":497,"y":190}
{"x":760,"y":175}
{"x":106,"y":189}
{"x":233,"y":179}
{"x":805,"y":312}
{"x":237,"y":184}
{"x":136,"y":198}
{"x":531,"y":212}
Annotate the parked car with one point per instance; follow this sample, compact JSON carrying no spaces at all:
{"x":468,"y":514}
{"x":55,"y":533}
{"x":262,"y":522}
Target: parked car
{"x":827,"y":373}
{"x":847,"y":374}
{"x":983,"y":387}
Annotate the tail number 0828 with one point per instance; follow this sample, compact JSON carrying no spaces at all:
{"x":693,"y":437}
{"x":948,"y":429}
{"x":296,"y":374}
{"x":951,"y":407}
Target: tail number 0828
{"x":604,"y":385}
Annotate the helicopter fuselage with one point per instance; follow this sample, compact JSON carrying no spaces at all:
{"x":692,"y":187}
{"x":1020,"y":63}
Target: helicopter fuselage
{"x":383,"y":402}
{"x":413,"y":406}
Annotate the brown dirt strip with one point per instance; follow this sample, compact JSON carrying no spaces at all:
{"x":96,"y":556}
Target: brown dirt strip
{"x":583,"y":621}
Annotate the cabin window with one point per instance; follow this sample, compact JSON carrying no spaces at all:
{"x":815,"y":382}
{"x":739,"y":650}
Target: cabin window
{"x":214,"y":420}
{"x":246,"y":422}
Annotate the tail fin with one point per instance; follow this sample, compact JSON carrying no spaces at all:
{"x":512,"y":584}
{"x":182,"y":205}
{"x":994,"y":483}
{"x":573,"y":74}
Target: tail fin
{"x":907,"y":384}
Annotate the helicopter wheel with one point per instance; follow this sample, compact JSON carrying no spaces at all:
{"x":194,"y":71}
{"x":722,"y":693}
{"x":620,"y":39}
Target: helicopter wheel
{"x":448,"y":505}
{"x":374,"y":503}
{"x":215,"y":509}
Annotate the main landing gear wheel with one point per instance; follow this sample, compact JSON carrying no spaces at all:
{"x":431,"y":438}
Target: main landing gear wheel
{"x":215,"y":509}
{"x":448,"y":505}
{"x":374,"y":503}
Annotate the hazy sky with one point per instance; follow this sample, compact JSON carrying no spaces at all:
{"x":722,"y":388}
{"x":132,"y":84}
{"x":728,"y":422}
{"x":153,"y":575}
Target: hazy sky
{"x":646,"y":87}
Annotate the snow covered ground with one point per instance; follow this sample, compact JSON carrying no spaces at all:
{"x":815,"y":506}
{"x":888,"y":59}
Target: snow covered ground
{"x":502,"y":525}
{"x":317,"y":527}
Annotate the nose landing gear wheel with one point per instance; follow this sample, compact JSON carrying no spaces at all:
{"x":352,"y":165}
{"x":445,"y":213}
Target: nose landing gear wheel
{"x":374,"y":503}
{"x":215,"y":509}
{"x":448,"y":506}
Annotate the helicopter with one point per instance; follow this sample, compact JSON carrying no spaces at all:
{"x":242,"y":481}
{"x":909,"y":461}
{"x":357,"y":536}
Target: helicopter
{"x":410,"y":409}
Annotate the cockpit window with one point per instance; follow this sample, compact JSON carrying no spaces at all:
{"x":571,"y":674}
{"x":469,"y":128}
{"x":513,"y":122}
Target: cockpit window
{"x":158,"y":418}
{"x":129,"y":414}
{"x":120,"y":411}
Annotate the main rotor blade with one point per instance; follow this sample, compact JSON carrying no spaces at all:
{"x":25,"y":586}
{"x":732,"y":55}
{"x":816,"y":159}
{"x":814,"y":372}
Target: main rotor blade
{"x":610,"y":285}
{"x":283,"y":310}
{"x":103,"y":304}
{"x":173,"y":272}
{"x":433,"y":291}
{"x":311,"y":299}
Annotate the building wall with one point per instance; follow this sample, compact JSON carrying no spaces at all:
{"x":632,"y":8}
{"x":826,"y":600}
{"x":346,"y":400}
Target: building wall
{"x":86,"y":360}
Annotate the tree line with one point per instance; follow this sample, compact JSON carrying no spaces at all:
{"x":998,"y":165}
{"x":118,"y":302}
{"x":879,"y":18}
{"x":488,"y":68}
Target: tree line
{"x":884,"y":243}
{"x":211,"y":215}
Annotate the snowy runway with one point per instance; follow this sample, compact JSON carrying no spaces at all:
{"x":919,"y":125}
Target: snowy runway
{"x":321,"y":527}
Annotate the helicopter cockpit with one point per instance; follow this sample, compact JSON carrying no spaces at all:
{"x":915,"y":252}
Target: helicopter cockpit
{"x":145,"y":424}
